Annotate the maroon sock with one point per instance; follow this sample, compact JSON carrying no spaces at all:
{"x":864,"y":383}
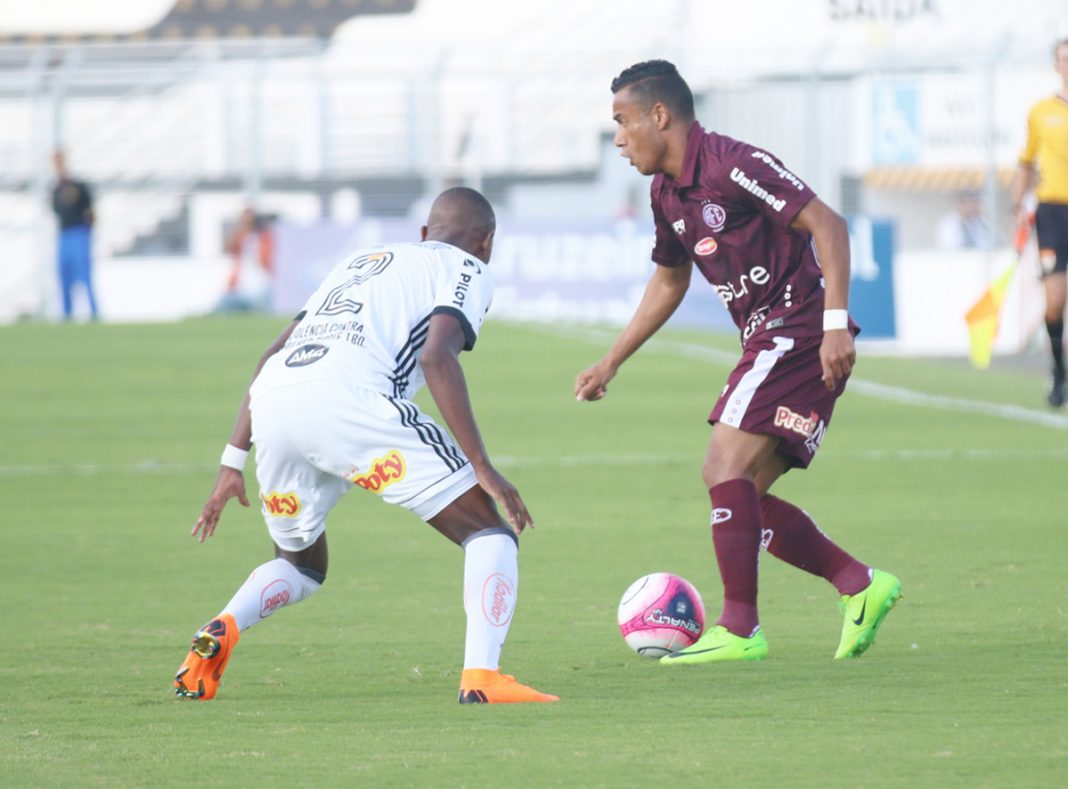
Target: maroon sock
{"x":791,"y":535}
{"x":736,"y":527}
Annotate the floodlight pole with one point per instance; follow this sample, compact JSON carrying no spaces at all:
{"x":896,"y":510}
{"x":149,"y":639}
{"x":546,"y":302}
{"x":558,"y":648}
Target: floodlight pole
{"x":254,"y":151}
{"x":991,"y":207}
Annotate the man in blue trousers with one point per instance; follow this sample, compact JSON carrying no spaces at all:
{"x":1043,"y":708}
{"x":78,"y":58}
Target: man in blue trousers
{"x":73,"y":205}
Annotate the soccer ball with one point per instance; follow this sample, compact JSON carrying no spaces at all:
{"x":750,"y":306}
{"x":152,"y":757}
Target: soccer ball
{"x":661,"y":613}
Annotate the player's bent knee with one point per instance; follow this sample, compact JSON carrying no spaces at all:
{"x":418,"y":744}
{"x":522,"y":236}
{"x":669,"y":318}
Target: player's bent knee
{"x":311,"y":562}
{"x":315,"y":575}
{"x":471,"y":513}
{"x":492,"y":530}
{"x":714,"y":473}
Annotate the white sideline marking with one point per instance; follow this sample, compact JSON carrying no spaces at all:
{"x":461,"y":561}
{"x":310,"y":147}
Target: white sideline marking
{"x":893,"y":394}
{"x":93,"y":469}
{"x":897,"y":394}
{"x":569,"y":461}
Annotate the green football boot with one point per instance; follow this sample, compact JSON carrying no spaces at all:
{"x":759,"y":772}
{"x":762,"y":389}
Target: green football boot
{"x":719,"y":643}
{"x":864,"y":612}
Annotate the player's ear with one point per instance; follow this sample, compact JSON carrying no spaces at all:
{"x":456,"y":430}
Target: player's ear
{"x":422,"y":233}
{"x":485,"y":247}
{"x":661,"y":116}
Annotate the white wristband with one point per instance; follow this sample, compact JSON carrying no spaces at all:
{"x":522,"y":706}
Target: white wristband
{"x":234,"y":458}
{"x":835,"y":319}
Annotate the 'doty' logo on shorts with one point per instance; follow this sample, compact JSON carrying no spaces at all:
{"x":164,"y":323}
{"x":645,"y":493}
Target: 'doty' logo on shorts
{"x":384,"y":472}
{"x":281,"y":505}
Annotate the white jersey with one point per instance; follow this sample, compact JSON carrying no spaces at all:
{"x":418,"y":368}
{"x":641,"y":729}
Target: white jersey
{"x":368,"y":321}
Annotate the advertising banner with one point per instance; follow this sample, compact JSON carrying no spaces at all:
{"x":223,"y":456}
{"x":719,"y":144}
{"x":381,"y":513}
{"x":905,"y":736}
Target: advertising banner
{"x":871,"y":287}
{"x":580,"y":271}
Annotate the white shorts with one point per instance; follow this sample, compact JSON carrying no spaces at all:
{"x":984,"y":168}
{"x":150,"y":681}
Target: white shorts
{"x":316,"y":439}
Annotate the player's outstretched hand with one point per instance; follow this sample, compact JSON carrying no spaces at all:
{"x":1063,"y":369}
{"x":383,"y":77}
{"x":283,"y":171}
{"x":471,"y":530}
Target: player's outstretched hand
{"x":592,"y":383}
{"x":228,"y":484}
{"x":507,"y":498}
{"x":837,"y":355}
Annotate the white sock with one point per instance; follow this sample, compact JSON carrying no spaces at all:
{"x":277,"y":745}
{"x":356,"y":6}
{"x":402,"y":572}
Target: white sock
{"x":271,"y":586}
{"x":491,"y":580}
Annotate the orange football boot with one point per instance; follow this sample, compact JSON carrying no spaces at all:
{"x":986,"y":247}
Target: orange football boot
{"x":198,"y":677}
{"x":485,"y":686}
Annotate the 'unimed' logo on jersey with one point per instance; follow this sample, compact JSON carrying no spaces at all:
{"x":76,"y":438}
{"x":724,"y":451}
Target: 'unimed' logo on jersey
{"x":384,"y":472}
{"x":305,"y":355}
{"x":281,"y":505}
{"x":754,"y":188}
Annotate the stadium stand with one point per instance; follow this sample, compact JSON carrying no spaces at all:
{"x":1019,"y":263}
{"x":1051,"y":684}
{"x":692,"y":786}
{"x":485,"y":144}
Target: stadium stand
{"x":300,"y":101}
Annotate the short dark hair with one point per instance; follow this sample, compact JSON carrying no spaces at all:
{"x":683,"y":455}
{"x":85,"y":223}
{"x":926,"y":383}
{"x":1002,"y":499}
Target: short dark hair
{"x":471,"y":204}
{"x":460,"y":216}
{"x":657,"y":80}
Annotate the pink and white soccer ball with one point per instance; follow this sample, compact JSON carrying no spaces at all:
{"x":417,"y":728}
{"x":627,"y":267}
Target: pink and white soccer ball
{"x":661,"y":613}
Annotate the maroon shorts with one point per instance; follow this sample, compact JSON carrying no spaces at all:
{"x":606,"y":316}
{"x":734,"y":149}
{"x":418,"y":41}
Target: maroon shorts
{"x":777,"y":390}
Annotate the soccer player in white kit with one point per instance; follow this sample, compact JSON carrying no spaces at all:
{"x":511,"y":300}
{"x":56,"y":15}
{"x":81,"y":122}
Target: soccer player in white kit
{"x":330,"y":407}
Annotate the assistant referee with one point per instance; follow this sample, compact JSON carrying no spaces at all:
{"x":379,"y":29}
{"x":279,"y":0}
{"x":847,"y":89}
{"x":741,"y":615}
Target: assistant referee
{"x":1046,"y":155}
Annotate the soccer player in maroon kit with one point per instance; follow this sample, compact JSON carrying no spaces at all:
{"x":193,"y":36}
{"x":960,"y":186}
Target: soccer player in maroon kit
{"x":778,"y":257}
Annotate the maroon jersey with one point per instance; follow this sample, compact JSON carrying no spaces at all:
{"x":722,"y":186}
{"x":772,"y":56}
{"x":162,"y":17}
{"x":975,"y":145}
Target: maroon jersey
{"x":730,"y":211}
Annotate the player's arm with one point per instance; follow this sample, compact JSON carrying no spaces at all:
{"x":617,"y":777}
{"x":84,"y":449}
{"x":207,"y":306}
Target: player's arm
{"x":1024,"y":180}
{"x":663,"y":294}
{"x":830,"y":234}
{"x":230,"y":481}
{"x":445,"y":379}
{"x":1022,"y":183}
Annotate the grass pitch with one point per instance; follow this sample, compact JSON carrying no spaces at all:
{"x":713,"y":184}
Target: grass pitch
{"x":953,"y":480}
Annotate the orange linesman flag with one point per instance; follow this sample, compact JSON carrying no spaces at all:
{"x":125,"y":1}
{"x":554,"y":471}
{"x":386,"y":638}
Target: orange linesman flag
{"x":985,"y":315}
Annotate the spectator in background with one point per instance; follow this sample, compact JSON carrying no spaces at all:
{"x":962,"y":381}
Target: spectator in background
{"x":251,"y":250}
{"x":1047,"y":147}
{"x":72,"y":203}
{"x":964,"y":228}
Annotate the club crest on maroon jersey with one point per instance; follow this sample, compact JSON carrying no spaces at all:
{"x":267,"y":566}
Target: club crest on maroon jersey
{"x":715,"y":217}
